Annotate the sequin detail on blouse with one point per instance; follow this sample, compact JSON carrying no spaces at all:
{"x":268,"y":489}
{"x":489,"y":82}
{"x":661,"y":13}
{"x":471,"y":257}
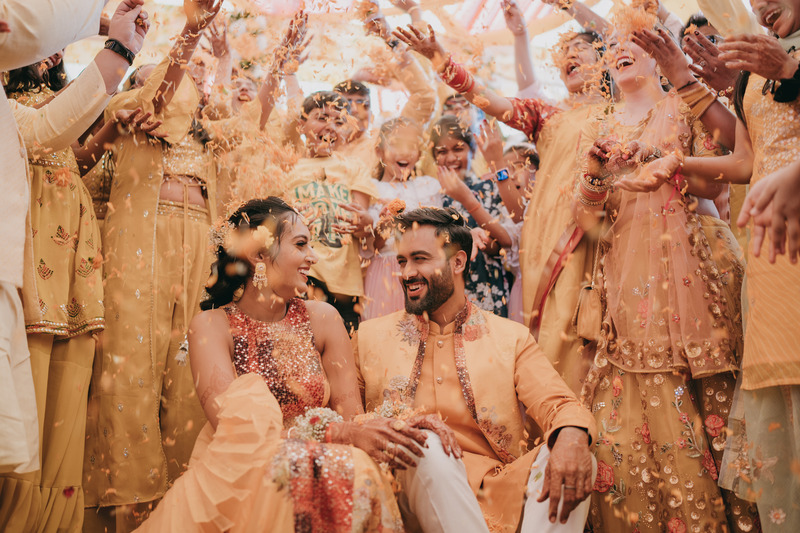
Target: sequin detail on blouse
{"x":284,"y":354}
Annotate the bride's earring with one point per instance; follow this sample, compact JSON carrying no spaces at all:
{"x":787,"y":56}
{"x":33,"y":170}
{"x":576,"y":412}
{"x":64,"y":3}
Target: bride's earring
{"x":260,"y":275}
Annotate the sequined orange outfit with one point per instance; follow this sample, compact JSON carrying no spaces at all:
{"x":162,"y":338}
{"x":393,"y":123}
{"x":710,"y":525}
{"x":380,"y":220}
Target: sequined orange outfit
{"x":269,"y":483}
{"x":283,"y":353}
{"x":662,"y":382}
{"x":69,"y":293}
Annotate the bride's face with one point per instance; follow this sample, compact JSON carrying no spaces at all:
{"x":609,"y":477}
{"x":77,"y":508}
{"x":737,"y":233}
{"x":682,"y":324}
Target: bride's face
{"x":287,"y":273}
{"x":630,"y":66}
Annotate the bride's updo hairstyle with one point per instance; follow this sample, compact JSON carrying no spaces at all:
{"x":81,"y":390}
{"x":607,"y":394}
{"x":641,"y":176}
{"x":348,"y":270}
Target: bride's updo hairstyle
{"x":232,"y":238}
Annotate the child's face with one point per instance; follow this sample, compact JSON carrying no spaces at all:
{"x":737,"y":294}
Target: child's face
{"x":399,"y":153}
{"x":521,"y":171}
{"x":360,"y":110}
{"x":454,"y":154}
{"x":324,"y":129}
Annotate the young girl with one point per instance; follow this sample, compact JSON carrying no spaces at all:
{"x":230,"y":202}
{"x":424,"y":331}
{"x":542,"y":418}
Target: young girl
{"x":398,"y":151}
{"x":480,"y":203}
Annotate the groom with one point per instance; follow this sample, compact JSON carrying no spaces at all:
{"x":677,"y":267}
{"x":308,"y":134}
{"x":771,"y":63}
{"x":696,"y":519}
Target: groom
{"x":444,"y":355}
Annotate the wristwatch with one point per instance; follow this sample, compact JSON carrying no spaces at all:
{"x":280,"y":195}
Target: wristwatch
{"x":501,"y":175}
{"x":119,"y":48}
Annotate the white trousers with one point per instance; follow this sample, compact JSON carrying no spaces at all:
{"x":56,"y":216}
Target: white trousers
{"x":437,"y":498}
{"x":19,"y":421}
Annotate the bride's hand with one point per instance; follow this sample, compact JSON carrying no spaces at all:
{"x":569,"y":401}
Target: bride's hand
{"x":384,"y":439}
{"x":435,"y":424}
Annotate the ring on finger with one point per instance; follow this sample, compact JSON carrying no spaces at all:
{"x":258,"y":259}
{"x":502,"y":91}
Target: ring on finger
{"x":569,"y":487}
{"x":702,"y":63}
{"x":398,"y":425}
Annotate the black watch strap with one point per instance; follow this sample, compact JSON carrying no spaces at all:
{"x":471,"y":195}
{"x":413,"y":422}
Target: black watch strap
{"x":119,"y":48}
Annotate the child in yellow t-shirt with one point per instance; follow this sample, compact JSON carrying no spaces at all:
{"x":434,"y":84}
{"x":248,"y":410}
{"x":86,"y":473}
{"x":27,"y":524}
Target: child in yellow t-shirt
{"x":336,"y":191}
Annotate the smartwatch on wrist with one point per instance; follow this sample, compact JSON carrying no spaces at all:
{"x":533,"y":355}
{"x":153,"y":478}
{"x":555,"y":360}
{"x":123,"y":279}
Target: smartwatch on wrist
{"x":120,"y":49}
{"x":501,"y":175}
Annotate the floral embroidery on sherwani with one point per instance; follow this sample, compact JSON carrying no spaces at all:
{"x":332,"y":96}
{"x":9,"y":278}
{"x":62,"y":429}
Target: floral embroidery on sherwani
{"x":470,"y":326}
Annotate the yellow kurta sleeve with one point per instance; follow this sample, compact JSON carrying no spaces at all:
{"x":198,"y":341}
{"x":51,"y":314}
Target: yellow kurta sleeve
{"x":547,"y":398}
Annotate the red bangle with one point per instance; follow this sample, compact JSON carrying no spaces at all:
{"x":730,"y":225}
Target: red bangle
{"x":328,"y":434}
{"x":457,"y":77}
{"x":589,"y":194}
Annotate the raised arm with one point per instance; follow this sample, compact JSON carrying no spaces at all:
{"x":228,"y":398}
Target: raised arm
{"x":455,"y":75}
{"x":289,"y":50}
{"x":583,"y":15}
{"x":491,"y":147}
{"x":523,"y":65}
{"x":199,"y":14}
{"x":716,"y":117}
{"x":456,"y":189}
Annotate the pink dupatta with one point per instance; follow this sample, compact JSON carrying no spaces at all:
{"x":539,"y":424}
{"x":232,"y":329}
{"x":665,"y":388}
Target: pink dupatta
{"x":665,"y":308}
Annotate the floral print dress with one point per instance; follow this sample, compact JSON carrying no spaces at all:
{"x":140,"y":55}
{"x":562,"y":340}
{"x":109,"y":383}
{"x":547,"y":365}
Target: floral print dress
{"x":488,"y":282}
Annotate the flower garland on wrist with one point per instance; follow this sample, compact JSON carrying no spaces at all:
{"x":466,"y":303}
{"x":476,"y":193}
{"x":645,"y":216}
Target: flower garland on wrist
{"x":313,"y":425}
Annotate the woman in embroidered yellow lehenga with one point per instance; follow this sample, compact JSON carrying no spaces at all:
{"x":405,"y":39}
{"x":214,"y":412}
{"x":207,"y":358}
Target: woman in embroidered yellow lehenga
{"x":265,"y":360}
{"x":669,"y":278}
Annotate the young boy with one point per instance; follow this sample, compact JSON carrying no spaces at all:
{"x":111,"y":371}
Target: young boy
{"x":336,"y":191}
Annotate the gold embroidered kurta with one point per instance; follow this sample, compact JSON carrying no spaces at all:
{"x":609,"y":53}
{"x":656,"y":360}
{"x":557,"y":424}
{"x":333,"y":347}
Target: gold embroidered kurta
{"x":476,"y":372}
{"x":66,"y":243}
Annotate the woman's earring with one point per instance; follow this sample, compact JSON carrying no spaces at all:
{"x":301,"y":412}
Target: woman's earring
{"x":260,"y":276}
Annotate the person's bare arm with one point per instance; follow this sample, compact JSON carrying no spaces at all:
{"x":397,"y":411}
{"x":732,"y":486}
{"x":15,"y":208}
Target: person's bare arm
{"x":736,"y":167}
{"x":523,"y":65}
{"x":337,"y":358}
{"x":718,"y":119}
{"x":290,"y":49}
{"x":491,"y":147}
{"x":583,"y":15}
{"x":456,"y":189}
{"x":199,"y":14}
{"x":211,"y":346}
{"x":124,"y":121}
